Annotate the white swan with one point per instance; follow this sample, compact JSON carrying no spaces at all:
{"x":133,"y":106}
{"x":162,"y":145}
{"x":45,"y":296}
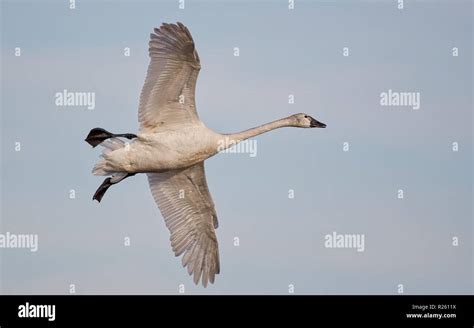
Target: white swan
{"x":171,"y":148}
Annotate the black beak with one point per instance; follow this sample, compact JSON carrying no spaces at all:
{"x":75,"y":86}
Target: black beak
{"x":316,"y":124}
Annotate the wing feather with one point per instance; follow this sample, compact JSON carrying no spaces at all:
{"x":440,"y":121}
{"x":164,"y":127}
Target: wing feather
{"x":167,"y":99}
{"x":187,"y":207}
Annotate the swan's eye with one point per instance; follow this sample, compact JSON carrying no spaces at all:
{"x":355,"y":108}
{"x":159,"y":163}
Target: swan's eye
{"x":306,"y":116}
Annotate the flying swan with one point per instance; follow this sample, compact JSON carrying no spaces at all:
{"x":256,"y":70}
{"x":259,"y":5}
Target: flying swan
{"x":171,"y":147}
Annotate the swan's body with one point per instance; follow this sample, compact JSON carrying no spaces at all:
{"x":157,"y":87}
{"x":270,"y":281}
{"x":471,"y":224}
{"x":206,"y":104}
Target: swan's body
{"x":171,"y":148}
{"x":163,"y":151}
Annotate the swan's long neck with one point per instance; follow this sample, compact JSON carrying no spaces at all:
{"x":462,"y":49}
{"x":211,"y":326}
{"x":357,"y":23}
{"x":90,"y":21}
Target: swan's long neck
{"x":284,"y":122}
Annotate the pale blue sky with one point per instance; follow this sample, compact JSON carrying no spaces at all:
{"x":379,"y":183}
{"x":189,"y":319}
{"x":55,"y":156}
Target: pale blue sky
{"x":281,"y":240}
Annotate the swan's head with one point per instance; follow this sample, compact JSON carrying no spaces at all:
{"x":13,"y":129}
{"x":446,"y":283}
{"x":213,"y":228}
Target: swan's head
{"x":305,"y":121}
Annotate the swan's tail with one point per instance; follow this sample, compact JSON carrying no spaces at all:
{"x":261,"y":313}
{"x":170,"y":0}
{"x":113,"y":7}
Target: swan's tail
{"x":102,"y":167}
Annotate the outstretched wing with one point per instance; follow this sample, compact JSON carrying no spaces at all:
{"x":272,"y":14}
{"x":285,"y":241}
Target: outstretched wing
{"x":167,"y":98}
{"x":187,"y":207}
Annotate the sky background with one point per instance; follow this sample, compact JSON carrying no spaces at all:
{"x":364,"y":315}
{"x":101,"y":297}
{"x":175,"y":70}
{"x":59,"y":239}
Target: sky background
{"x":407,"y":241}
